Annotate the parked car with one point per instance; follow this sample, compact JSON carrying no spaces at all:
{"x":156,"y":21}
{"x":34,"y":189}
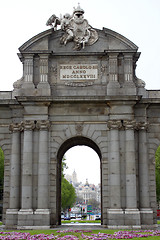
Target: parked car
{"x":73,"y":216}
{"x":67,"y":218}
{"x":79,"y":215}
{"x":97,"y":217}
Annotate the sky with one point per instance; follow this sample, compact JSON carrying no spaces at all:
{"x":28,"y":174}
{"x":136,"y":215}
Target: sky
{"x":137,"y":20}
{"x":85,"y":162}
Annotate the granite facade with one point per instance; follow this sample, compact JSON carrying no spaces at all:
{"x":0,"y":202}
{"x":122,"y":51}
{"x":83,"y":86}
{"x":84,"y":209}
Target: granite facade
{"x":89,"y":97}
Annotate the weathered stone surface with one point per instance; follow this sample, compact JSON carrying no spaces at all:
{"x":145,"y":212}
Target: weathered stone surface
{"x":98,"y":102}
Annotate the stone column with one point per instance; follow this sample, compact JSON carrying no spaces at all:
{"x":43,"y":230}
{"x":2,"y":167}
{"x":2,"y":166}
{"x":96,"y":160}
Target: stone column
{"x":114,"y":164}
{"x":15,"y":166}
{"x":43,"y":166}
{"x":115,"y":210}
{"x":131,"y":194}
{"x":27,"y":165}
{"x":25,"y":215}
{"x":42,"y":211}
{"x":43,"y":85}
{"x":132,"y":216}
{"x":146,"y":212}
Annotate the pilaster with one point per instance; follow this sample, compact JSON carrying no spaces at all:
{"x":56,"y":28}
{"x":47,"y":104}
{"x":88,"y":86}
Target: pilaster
{"x":43,"y":85}
{"x":128,"y":74}
{"x":128,"y":68}
{"x":25,"y":86}
{"x":28,"y":72}
{"x":113,"y":84}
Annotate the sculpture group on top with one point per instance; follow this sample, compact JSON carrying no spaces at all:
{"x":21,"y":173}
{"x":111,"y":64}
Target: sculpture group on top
{"x":75,"y":28}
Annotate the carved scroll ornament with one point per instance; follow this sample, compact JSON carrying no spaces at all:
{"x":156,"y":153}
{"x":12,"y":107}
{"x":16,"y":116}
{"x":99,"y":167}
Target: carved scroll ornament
{"x":114,"y":124}
{"x":43,"y":125}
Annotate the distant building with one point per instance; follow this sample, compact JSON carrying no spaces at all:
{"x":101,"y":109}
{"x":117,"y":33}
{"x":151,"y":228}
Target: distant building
{"x":72,"y":178}
{"x":84,"y":191}
{"x":88,"y":191}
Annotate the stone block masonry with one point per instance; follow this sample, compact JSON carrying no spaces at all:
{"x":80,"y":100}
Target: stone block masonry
{"x":79,"y":93}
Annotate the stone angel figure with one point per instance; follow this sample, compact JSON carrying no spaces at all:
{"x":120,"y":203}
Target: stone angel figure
{"x":53,"y":22}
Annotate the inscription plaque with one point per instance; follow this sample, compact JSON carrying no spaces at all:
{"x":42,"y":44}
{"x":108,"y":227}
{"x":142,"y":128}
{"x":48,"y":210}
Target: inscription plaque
{"x":78,"y":71}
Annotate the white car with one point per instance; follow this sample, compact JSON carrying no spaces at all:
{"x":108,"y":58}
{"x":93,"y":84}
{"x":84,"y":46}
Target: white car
{"x":73,"y":216}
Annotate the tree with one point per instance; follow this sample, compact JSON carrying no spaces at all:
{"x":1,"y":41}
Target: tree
{"x":1,"y":172}
{"x":64,"y":166}
{"x":157,"y":171}
{"x":68,"y":195}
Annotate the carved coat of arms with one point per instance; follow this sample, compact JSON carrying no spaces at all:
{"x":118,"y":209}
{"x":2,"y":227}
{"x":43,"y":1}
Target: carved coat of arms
{"x":75,"y":28}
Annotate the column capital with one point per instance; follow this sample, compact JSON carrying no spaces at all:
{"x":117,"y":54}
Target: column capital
{"x":129,"y":124}
{"x":142,"y":126}
{"x":114,"y":124}
{"x":128,"y":56}
{"x":27,"y":56}
{"x":15,"y":127}
{"x":44,"y":55}
{"x":43,"y":125}
{"x":113,"y":55}
{"x":28,"y":125}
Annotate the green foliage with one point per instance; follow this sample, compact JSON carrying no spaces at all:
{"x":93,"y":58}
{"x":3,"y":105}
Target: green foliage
{"x":1,"y":168}
{"x":80,"y":221}
{"x":68,"y":195}
{"x":157,"y":169}
{"x":64,"y":165}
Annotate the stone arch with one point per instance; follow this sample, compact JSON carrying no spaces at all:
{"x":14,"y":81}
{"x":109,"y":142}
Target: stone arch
{"x":71,"y":142}
{"x":5,"y":145}
{"x":153,"y":145}
{"x":51,"y":109}
{"x":78,"y":140}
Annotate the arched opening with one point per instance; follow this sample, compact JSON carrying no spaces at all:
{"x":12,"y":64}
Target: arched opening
{"x":83,"y":172}
{"x":77,"y":141}
{"x":1,"y":181}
